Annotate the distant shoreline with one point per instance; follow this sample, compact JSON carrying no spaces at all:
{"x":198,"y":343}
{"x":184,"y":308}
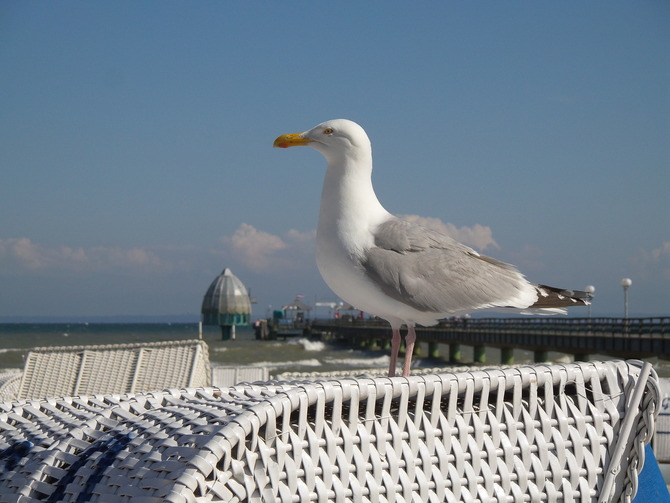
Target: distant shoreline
{"x":182,"y":318}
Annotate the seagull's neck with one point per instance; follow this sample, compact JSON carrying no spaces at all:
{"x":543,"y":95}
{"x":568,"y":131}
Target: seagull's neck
{"x":349,"y":206}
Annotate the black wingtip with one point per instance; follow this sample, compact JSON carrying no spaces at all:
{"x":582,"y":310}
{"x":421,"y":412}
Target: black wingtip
{"x":549,"y":296}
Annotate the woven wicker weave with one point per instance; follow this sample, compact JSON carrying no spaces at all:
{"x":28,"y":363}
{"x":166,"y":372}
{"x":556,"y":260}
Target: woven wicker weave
{"x":572,"y":432}
{"x":10,"y":382}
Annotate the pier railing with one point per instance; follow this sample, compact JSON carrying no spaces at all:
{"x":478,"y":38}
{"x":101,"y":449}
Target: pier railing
{"x":631,"y":327}
{"x":620,"y":337}
{"x":657,"y":326}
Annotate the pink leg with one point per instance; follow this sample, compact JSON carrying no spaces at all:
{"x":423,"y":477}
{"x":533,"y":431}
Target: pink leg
{"x":410,"y":339}
{"x":395,"y":347}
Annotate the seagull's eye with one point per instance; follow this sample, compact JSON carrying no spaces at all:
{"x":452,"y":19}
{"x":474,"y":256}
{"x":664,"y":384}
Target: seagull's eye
{"x":328,"y":131}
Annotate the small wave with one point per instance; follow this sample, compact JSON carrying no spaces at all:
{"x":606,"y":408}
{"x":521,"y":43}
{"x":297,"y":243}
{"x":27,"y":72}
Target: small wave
{"x":309,"y":345}
{"x":312,"y":362}
{"x":313,"y":345}
{"x":218,"y":350}
{"x":357,"y":362}
{"x":306,"y":344}
{"x":8,"y":350}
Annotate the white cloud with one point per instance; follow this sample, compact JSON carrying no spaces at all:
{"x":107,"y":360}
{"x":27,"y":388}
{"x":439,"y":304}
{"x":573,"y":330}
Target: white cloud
{"x":253,"y":247}
{"x":262,"y":251}
{"x":477,"y":236}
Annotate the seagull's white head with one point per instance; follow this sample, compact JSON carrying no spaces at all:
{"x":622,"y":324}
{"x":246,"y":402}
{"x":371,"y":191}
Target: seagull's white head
{"x":334,"y":139}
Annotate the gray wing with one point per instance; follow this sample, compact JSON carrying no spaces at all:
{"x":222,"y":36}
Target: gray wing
{"x":434,"y":273}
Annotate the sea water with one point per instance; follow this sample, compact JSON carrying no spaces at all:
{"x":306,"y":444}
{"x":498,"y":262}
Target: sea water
{"x":296,"y":354}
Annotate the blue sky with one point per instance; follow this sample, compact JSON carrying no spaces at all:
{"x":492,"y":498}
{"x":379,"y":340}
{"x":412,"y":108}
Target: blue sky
{"x":136,"y":157}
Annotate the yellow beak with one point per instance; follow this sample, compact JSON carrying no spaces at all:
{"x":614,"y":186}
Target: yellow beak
{"x":291,"y":140}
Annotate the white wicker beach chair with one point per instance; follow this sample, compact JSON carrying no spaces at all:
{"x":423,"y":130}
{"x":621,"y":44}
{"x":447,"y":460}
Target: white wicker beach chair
{"x":224,"y":377}
{"x":572,"y":432}
{"x":114,"y":368}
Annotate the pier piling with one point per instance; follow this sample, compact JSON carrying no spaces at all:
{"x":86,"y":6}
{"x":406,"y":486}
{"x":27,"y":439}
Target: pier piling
{"x":455,"y":353}
{"x":480,"y":354}
{"x":507,"y":356}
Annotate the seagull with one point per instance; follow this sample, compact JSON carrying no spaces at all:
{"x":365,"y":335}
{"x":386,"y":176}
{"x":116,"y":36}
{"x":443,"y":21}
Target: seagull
{"x":402,"y":272}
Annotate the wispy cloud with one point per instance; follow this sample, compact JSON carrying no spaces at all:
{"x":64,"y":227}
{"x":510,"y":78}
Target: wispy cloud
{"x":19,"y":253}
{"x":24,"y":255}
{"x":247,"y":247}
{"x":656,"y":261}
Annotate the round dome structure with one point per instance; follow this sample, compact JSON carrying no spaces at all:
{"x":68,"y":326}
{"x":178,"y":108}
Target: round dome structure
{"x":226,"y":302}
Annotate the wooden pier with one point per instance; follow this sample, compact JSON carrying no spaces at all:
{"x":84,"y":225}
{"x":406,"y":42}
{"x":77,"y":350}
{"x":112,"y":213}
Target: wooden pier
{"x":581,"y":337}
